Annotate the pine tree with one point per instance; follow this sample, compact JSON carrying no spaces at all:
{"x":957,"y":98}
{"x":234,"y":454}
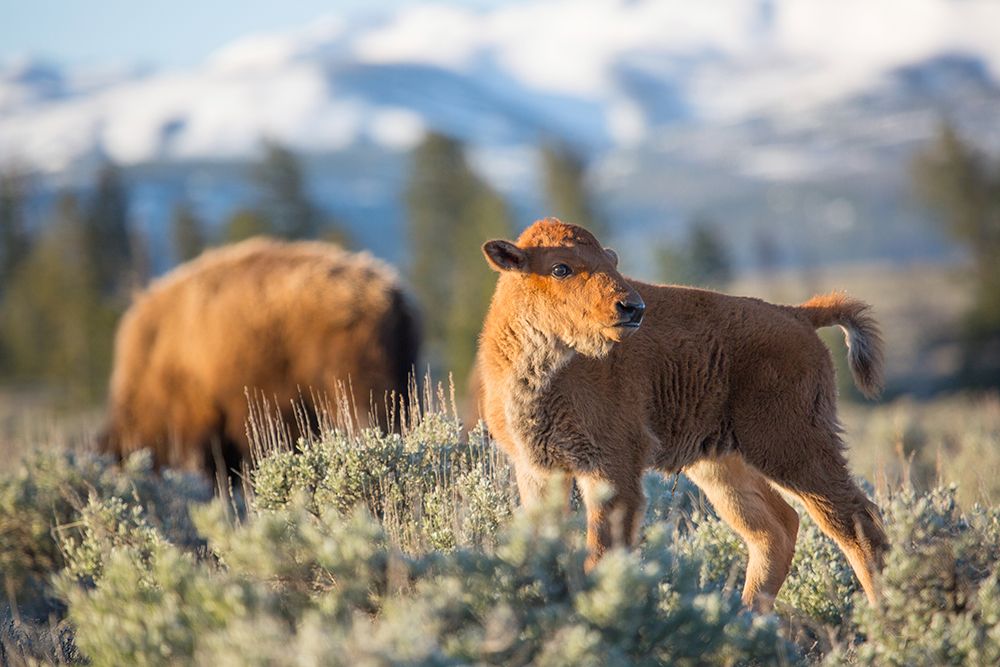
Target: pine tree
{"x":284,"y":199}
{"x":14,"y":238}
{"x":473,"y":281}
{"x":703,"y":260}
{"x":282,"y":206}
{"x":767,"y":252}
{"x":451,"y":213}
{"x":14,"y":246}
{"x":56,"y":323}
{"x":566,"y":190}
{"x":963,"y":187}
{"x":709,"y":257}
{"x":187,"y":232}
{"x":106,"y":232}
{"x":245,"y":223}
{"x":436,"y":198}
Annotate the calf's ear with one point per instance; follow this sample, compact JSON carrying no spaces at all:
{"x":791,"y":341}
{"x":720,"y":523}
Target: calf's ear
{"x":505,"y":256}
{"x":612,"y":255}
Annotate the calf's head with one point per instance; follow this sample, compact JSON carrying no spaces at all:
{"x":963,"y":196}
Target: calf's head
{"x":564,"y":284}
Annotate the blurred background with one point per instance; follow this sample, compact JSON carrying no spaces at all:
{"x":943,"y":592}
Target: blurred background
{"x":771,"y":148}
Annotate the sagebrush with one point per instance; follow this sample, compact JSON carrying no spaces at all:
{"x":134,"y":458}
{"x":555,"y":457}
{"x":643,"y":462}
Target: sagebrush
{"x":374,"y":549}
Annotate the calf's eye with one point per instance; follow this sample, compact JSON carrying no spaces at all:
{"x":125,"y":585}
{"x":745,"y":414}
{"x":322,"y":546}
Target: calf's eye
{"x":561,"y":271}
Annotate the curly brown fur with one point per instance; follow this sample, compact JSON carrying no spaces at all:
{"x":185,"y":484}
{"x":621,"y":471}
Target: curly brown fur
{"x":736,"y":392}
{"x":279,"y":320}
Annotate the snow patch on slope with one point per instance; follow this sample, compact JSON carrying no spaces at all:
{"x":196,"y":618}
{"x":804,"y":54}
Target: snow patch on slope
{"x":599,"y":74}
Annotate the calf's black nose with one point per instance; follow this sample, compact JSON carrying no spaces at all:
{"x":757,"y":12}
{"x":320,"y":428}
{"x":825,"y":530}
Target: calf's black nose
{"x":631,"y":311}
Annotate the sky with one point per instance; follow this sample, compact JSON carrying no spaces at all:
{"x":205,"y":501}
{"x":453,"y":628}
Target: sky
{"x":154,"y":33}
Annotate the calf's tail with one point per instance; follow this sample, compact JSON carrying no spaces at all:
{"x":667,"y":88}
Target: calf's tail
{"x":864,"y":339}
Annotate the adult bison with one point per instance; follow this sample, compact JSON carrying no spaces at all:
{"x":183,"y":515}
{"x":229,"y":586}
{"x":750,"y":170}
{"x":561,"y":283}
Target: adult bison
{"x":279,"y":320}
{"x":588,"y":373}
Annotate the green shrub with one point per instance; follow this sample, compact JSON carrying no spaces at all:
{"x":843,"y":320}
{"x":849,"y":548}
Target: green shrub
{"x":288,"y":576}
{"x":428,"y":489}
{"x":103,"y":527}
{"x":149,"y":609}
{"x":55,"y":507}
{"x":940,"y":587}
{"x":378,"y":549}
{"x":41,"y":498}
{"x":821,"y":584}
{"x":720,"y":553}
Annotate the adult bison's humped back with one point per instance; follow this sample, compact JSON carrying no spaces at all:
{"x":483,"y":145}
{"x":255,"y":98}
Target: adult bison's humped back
{"x":282,"y":320}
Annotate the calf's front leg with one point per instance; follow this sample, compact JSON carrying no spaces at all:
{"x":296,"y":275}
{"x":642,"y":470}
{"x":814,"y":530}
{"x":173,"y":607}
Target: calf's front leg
{"x":533,"y":483}
{"x":614,"y":512}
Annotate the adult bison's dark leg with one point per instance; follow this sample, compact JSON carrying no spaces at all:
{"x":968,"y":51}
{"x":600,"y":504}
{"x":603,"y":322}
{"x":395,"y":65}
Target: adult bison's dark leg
{"x":401,"y":340}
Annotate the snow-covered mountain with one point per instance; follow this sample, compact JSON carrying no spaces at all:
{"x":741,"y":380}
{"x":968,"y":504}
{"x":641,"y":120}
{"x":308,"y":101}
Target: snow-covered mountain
{"x":681,"y":106}
{"x":601,"y":74}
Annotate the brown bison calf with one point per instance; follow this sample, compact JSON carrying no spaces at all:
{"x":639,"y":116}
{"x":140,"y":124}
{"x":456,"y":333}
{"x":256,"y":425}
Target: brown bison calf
{"x":283,"y":321}
{"x":588,"y":373}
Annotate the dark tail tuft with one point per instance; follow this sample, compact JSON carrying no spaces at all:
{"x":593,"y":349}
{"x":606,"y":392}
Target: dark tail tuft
{"x":864,"y":339}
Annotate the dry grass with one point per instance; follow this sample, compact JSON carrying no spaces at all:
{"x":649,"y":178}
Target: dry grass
{"x":29,"y":422}
{"x":947,"y":441}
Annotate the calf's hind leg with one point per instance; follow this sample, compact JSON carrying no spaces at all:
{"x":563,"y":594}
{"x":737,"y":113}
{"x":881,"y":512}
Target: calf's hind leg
{"x":768,"y":525}
{"x":819,"y":477}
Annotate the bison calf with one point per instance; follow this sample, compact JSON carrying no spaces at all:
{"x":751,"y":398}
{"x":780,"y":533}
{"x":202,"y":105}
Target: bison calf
{"x":588,"y":373}
{"x":281,"y":320}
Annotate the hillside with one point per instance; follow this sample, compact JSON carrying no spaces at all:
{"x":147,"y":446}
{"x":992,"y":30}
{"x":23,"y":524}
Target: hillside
{"x":773,"y":115}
